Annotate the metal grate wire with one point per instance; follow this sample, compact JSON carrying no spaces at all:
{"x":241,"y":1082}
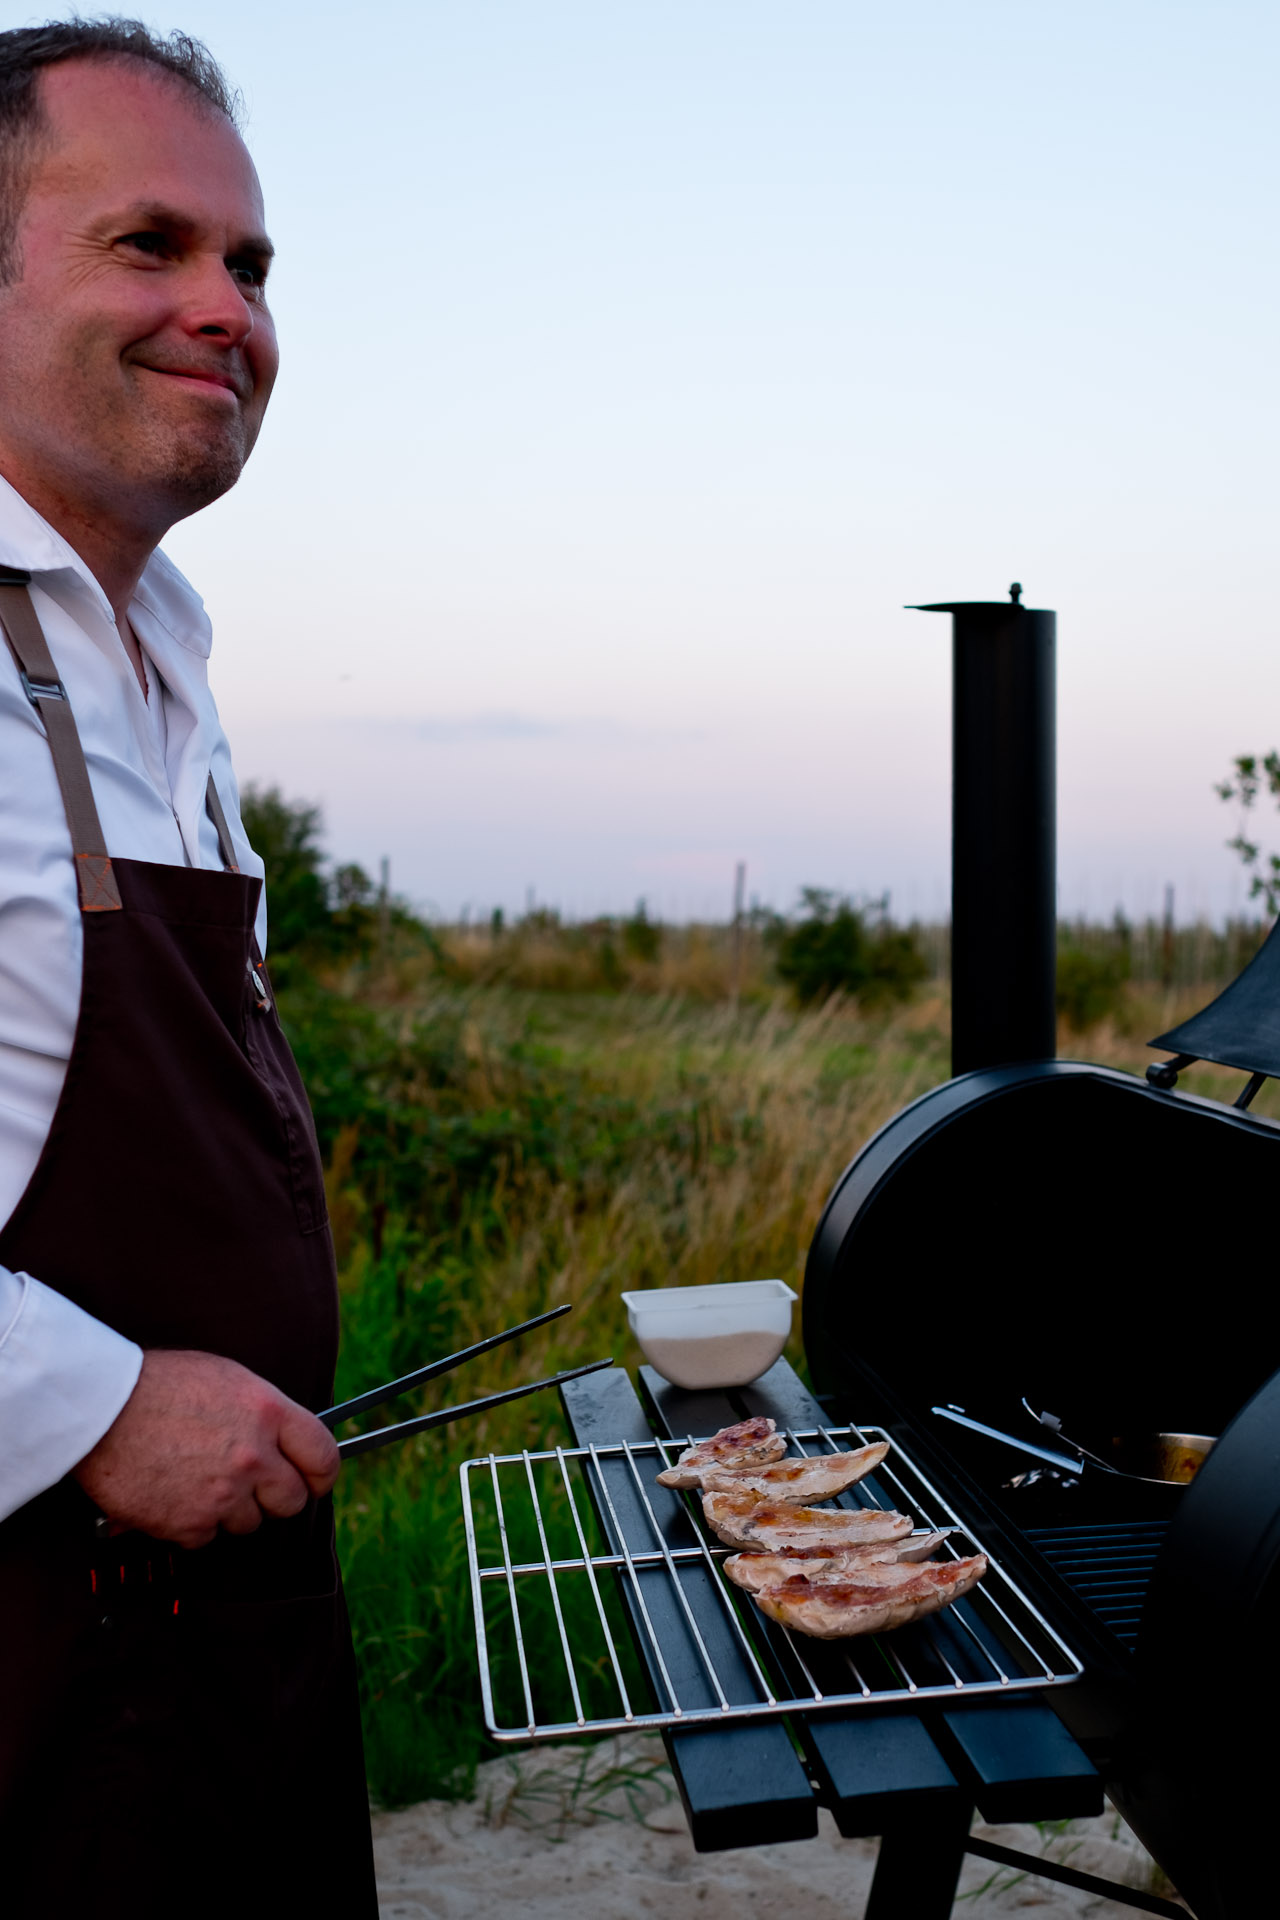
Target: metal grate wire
{"x":1108,"y":1565}
{"x":566,"y":1546}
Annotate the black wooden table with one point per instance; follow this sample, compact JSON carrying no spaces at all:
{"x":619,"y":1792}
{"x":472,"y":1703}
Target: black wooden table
{"x":913,"y":1776}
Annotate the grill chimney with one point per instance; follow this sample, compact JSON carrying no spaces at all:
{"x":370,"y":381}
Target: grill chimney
{"x":1003,"y":832}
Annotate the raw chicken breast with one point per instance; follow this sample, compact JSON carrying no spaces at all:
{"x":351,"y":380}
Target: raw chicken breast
{"x":770,"y":1526}
{"x":748,"y":1443}
{"x":797,"y":1482}
{"x":755,"y":1570}
{"x":835,"y":1610}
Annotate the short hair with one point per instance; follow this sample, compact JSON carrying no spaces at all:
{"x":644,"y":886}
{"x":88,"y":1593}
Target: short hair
{"x":26,"y":51}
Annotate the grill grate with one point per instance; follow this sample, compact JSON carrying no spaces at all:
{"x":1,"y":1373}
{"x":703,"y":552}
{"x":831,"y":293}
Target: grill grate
{"x":1109,"y":1567}
{"x":556,"y":1540}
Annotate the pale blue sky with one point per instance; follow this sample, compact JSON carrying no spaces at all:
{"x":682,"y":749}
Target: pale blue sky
{"x":642,"y":360}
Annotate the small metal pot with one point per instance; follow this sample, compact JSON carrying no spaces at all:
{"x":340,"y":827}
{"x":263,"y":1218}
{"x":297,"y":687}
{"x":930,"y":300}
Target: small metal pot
{"x":1158,"y":1459}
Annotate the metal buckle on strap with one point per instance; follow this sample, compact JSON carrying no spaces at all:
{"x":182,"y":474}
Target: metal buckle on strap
{"x":257,"y":973}
{"x":37,"y":690}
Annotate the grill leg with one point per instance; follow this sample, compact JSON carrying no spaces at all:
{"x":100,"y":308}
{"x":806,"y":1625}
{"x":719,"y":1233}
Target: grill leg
{"x":918,"y":1868}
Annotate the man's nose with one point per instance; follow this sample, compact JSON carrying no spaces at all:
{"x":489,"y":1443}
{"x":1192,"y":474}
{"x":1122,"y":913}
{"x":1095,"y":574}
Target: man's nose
{"x":214,"y":303}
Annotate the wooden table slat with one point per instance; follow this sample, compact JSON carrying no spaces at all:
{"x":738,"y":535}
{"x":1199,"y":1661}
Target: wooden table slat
{"x":781,"y":1395}
{"x":740,"y":1785}
{"x":878,"y":1771}
{"x":1020,"y":1762}
{"x":1015,"y":1759}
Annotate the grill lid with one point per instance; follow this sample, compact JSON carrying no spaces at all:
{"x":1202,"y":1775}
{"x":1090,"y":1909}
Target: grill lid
{"x":1013,"y":1232}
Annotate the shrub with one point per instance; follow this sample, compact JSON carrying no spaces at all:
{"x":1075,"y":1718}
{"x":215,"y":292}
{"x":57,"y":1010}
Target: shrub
{"x":1090,"y":985}
{"x":641,"y":936}
{"x":840,"y":946}
{"x":286,"y":833}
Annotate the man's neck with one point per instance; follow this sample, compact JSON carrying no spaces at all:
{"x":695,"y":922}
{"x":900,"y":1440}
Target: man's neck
{"x":115,"y":552}
{"x":115,"y":555}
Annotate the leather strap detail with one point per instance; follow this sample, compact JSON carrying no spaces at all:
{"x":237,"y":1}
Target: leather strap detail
{"x":226,"y":846}
{"x":97,"y":884}
{"x":98,"y":890}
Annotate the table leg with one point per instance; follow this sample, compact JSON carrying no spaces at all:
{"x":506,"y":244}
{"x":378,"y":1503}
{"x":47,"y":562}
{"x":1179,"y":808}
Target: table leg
{"x":918,"y":1868}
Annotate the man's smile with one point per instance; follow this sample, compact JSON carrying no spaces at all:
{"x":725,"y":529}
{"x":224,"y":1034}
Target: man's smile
{"x":206,"y":380}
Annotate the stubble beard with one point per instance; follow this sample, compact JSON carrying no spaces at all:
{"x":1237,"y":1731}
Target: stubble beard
{"x":186,"y":471}
{"x":148,"y":467}
{"x":185,"y":450}
{"x":141,"y":462}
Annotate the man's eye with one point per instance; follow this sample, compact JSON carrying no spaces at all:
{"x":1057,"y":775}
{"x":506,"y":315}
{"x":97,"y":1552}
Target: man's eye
{"x":248,"y":272}
{"x":148,"y":241}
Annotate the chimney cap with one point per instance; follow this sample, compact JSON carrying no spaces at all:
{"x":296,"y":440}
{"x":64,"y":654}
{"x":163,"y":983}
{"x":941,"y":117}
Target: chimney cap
{"x":993,"y":609}
{"x":1014,"y":601}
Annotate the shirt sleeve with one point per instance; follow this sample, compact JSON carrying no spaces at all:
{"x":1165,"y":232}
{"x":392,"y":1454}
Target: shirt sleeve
{"x":64,"y":1377}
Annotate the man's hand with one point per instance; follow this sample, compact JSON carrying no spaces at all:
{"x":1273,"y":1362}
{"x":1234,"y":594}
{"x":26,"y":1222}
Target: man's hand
{"x":202,"y":1443}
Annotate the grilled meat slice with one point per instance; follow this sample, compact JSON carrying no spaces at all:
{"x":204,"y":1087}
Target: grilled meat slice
{"x":754,"y":1571}
{"x":885,"y":1562}
{"x":770,"y":1526}
{"x":835,"y":1610}
{"x":921,"y":1545}
{"x":797,"y":1482}
{"x":746,"y":1444}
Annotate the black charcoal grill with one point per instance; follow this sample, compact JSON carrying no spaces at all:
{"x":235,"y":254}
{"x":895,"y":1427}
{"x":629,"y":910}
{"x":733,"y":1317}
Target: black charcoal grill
{"x":1062,"y":1234}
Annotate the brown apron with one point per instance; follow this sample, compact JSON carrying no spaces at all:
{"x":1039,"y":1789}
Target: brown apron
{"x":178,"y":1730}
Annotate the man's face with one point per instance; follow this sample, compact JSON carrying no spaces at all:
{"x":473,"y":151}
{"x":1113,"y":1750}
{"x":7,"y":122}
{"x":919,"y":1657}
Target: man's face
{"x":137,"y":354}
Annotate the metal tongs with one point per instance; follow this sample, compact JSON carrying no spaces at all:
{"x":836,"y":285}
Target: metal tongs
{"x":1047,"y":1455}
{"x":377,"y":1396}
{"x":1051,"y":1422}
{"x":1168,"y":1459}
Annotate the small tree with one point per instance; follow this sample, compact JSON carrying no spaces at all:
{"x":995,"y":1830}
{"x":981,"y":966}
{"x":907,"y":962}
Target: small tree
{"x":641,"y":936}
{"x":286,"y":833}
{"x":842,"y":946}
{"x":1246,"y":783}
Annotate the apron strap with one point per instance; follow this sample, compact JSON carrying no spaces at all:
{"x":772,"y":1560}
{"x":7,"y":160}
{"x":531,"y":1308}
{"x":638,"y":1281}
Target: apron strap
{"x":226,"y":846}
{"x":94,"y":878}
{"x":45,"y":691}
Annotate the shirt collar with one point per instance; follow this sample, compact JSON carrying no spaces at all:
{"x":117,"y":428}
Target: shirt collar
{"x":28,"y":542}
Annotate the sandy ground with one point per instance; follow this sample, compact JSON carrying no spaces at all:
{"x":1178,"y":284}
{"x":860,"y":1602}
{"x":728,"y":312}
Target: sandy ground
{"x":597,"y":1833}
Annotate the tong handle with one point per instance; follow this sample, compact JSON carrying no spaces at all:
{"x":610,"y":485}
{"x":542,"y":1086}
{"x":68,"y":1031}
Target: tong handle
{"x":378,"y":1396}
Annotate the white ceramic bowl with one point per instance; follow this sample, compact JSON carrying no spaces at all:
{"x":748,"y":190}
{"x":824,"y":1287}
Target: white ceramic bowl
{"x":720,"y":1336}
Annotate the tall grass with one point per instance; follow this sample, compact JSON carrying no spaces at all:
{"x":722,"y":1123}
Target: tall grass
{"x":494,"y":1150}
{"x":718,"y":962}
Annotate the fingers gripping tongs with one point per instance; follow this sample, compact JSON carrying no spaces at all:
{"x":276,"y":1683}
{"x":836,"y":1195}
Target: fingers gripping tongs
{"x":378,"y":1396}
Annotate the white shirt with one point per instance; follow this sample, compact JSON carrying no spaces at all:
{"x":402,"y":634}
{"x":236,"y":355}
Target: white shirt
{"x":64,"y":1376}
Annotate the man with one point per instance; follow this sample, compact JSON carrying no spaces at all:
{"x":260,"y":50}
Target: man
{"x":177,"y":1718}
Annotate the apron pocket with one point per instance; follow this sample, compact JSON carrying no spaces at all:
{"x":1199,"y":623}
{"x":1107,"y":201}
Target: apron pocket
{"x":269,"y":1055}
